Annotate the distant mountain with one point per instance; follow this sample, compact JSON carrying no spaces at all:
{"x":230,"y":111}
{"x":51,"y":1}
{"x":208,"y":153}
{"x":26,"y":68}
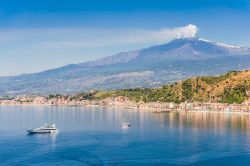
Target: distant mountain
{"x":149,"y":67}
{"x":188,"y":48}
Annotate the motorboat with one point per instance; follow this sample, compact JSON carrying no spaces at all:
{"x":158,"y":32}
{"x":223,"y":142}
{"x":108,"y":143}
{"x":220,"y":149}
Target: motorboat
{"x":47,"y":128}
{"x":126,"y":125}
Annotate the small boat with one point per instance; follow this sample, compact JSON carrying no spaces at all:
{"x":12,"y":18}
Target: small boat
{"x":126,"y":125}
{"x":47,"y":128}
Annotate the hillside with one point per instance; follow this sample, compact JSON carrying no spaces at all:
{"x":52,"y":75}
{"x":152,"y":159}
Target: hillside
{"x":144,"y":68}
{"x":228,"y":88}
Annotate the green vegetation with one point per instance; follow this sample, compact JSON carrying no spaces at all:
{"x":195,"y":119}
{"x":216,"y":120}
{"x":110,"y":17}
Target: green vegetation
{"x":228,"y":88}
{"x":215,"y":80}
{"x":235,"y":95}
{"x":51,"y":96}
{"x":187,"y":90}
{"x":6,"y":97}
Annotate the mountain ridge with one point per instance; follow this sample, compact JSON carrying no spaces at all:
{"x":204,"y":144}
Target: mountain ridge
{"x":148,"y":67}
{"x":232,"y":87}
{"x":136,"y":52}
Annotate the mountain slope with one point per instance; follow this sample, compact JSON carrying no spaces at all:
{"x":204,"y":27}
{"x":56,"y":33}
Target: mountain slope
{"x":228,"y":88}
{"x":149,"y":67}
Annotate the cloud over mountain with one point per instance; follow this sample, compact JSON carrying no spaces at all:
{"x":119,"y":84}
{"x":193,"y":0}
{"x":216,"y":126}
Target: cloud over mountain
{"x":62,"y":46}
{"x":92,"y":38}
{"x":126,"y":36}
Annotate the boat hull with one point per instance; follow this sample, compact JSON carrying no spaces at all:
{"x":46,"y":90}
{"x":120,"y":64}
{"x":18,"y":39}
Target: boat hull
{"x":32,"y":131}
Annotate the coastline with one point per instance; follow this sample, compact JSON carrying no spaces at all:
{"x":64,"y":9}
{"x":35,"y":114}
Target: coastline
{"x":121,"y":102}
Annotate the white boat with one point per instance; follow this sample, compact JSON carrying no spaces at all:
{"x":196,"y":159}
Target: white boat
{"x":126,"y":125}
{"x":47,"y":128}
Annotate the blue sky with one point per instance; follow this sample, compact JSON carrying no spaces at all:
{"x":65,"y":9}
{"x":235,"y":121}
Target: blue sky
{"x":36,"y":35}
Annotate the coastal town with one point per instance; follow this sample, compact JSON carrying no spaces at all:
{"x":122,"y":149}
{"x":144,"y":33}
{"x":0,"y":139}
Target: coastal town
{"x":124,"y":102}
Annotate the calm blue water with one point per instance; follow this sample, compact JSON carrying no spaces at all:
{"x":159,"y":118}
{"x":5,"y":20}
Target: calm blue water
{"x":93,"y":136}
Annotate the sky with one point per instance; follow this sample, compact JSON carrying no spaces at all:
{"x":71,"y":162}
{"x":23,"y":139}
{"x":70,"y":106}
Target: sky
{"x":37,"y":35}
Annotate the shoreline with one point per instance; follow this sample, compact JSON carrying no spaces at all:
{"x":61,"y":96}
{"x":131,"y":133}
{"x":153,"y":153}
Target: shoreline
{"x":119,"y":102}
{"x":134,"y":108}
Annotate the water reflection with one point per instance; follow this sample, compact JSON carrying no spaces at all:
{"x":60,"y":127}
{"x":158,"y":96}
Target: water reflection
{"x":20,"y":118}
{"x":45,"y":138}
{"x":95,"y":136}
{"x":199,"y":120}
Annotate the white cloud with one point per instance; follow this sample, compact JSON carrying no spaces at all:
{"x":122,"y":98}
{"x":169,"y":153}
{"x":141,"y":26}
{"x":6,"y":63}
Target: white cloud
{"x":93,"y":38}
{"x":113,"y":37}
{"x":33,"y":50}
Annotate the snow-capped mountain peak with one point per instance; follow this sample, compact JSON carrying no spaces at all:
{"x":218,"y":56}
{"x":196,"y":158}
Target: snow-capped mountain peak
{"x":221,"y":44}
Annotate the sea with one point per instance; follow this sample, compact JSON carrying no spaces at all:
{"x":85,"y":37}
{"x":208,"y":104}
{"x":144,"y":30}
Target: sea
{"x":95,"y":136}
